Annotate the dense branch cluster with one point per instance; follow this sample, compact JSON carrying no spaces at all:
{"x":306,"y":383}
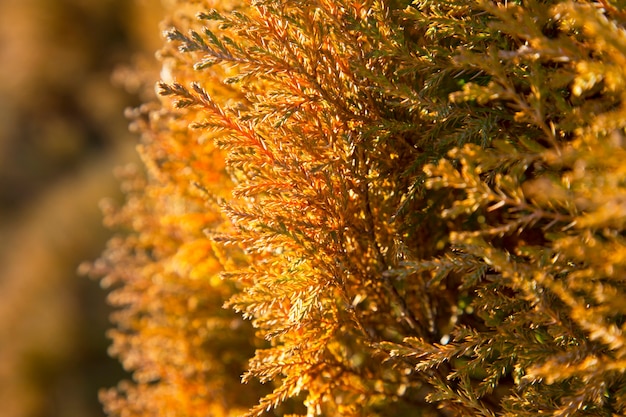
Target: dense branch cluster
{"x":378,"y":208}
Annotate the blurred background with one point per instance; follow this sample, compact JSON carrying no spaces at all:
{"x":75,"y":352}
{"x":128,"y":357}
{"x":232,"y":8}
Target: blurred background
{"x":66,"y":76}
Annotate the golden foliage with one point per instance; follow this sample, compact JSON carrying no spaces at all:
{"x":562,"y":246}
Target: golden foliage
{"x":418,"y":206}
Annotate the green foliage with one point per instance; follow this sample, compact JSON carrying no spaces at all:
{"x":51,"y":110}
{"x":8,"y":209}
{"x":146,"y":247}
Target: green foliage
{"x":429,"y":200}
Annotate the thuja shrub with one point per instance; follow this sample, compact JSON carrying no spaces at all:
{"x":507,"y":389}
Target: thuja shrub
{"x":377,"y":208}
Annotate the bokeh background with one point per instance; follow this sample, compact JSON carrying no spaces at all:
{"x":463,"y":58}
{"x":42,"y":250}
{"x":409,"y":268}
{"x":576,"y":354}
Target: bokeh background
{"x":68,"y":69}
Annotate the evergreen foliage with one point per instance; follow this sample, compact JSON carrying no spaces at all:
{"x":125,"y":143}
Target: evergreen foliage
{"x":418,"y":206}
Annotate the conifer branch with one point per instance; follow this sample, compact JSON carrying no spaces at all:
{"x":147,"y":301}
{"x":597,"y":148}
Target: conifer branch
{"x":406,"y":209}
